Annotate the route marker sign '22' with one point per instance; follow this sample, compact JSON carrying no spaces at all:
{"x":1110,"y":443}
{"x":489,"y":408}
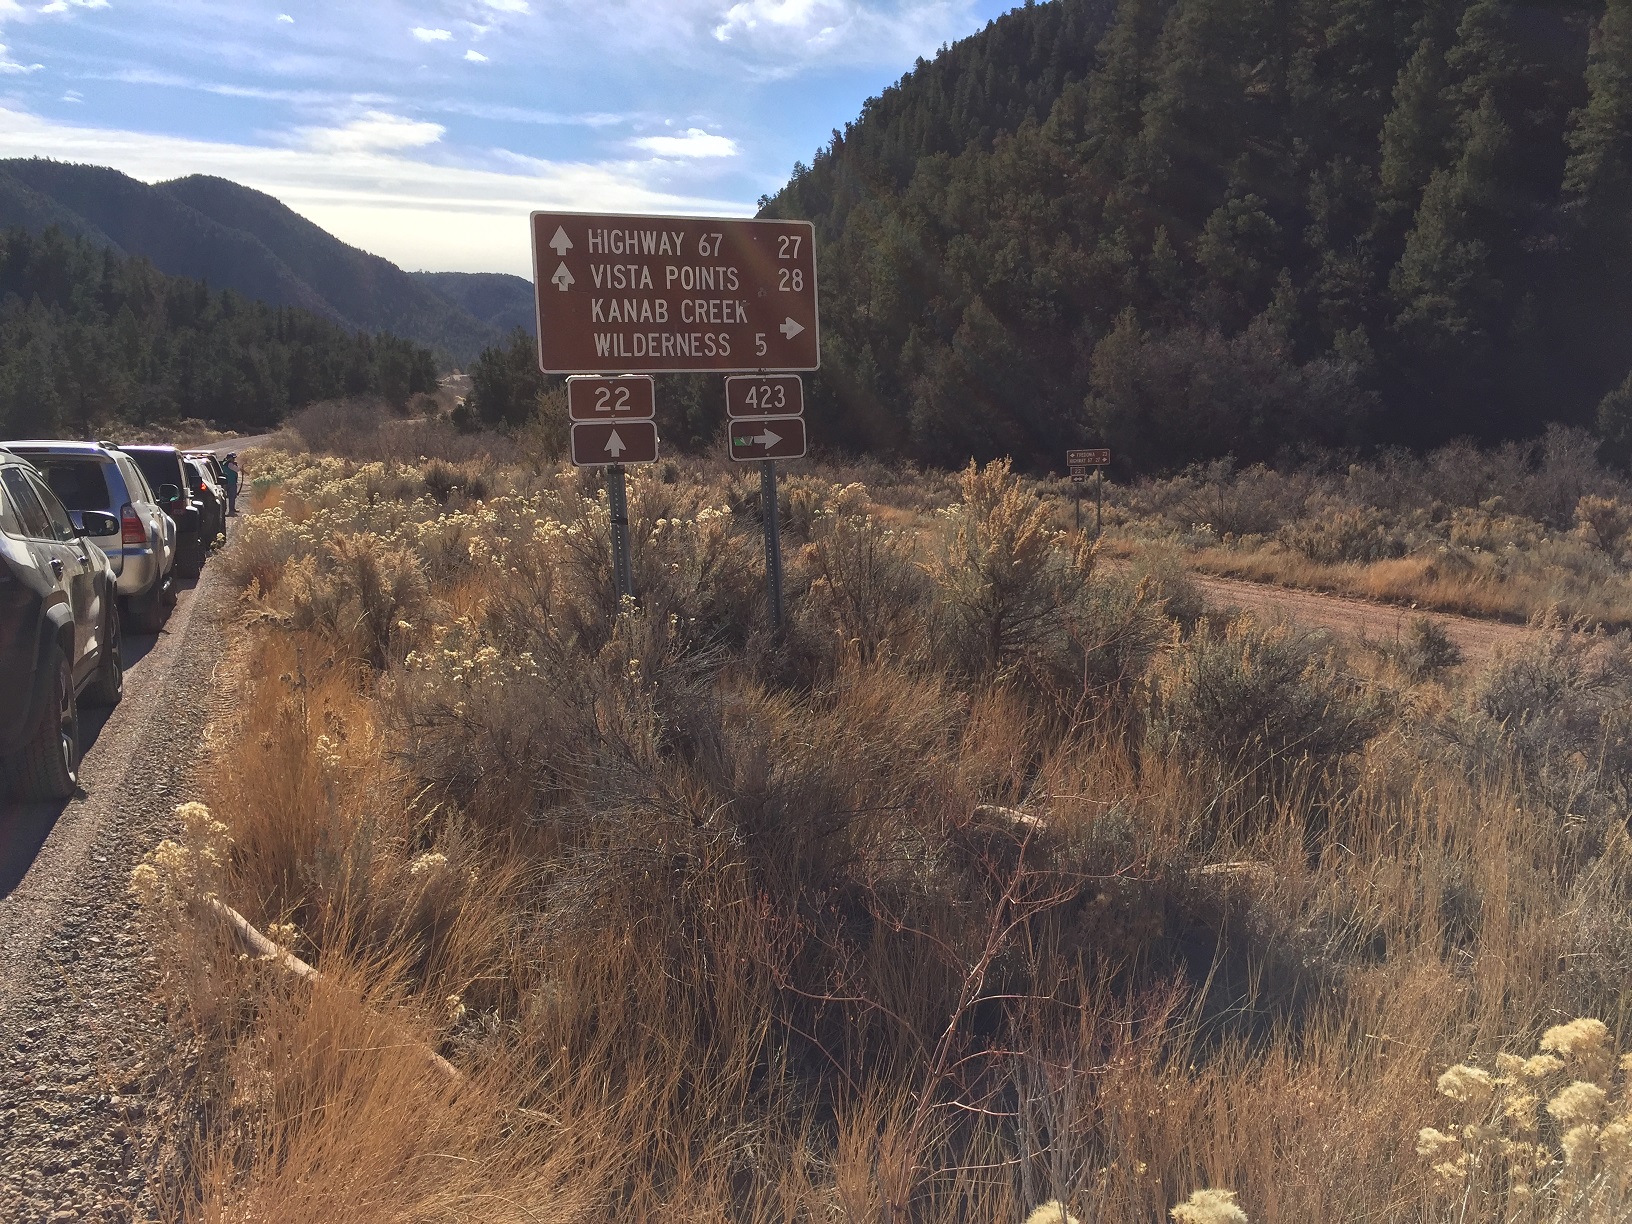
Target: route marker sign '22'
{"x":668,"y":295}
{"x":612,"y":420}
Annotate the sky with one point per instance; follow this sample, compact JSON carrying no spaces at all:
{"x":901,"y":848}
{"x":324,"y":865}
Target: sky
{"x":426,"y":130}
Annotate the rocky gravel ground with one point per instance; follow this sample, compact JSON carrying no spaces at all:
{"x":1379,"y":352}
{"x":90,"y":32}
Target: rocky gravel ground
{"x":85,"y":1058}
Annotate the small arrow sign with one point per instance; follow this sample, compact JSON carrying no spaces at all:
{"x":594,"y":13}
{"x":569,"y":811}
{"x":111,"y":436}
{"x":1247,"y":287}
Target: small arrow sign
{"x":790,"y":329}
{"x":778,"y":438}
{"x":614,"y":445}
{"x":562,"y":278}
{"x":560,"y":244}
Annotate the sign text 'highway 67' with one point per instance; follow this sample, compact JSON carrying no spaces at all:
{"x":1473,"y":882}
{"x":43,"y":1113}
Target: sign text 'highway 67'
{"x":756,"y":438}
{"x":1095,"y":457}
{"x":630,"y":397}
{"x":764,"y":395}
{"x":603,"y":443}
{"x":631,"y":294}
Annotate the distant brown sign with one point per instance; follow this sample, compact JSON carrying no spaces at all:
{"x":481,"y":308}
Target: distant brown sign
{"x":630,"y":294}
{"x":1079,"y":478}
{"x":767,"y":438}
{"x":1099,"y":457}
{"x":764,"y":395}
{"x":630,"y":397}
{"x":603,"y":443}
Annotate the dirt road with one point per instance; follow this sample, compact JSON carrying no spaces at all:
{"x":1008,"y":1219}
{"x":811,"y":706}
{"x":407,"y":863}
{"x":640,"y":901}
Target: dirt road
{"x":80,"y":1039}
{"x":1357,"y":617}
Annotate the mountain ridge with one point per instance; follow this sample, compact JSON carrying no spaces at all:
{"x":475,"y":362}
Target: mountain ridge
{"x":233,"y":237}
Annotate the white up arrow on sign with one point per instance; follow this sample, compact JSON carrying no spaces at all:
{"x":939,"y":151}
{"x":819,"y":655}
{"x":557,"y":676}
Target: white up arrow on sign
{"x":790,"y":329}
{"x":562,"y":278}
{"x":614,"y":445}
{"x":560,"y":244}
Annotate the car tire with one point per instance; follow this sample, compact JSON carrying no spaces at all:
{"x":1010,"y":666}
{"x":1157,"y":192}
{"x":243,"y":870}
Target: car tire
{"x":47,"y":766}
{"x":149,"y":609}
{"x":191,"y":563}
{"x":108,"y":685}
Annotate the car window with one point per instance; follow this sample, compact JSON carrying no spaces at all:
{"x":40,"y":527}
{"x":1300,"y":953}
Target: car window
{"x":62,"y":527}
{"x":135,"y":482}
{"x":79,"y":483}
{"x":29,"y":511}
{"x":8,"y":519}
{"x":159,"y":468}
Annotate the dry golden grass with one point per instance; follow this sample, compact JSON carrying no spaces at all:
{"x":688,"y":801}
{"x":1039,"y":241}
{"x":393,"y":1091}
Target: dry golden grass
{"x":987,"y":886}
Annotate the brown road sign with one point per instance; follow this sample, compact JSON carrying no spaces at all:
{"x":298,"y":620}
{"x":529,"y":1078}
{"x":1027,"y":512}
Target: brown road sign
{"x":601,"y":443}
{"x":628,"y":398}
{"x":765,"y":395}
{"x":1099,"y":457}
{"x":1079,"y":478}
{"x":767,"y":438}
{"x":629,"y":294}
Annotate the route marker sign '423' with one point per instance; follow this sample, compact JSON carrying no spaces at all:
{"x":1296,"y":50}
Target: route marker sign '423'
{"x":764,"y":395}
{"x":633,"y":294}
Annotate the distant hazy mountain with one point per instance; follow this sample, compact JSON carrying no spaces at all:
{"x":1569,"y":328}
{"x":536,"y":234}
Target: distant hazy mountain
{"x":497,"y":299}
{"x":233,"y":237}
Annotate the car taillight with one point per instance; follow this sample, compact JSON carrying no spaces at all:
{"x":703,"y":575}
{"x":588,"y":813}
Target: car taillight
{"x":131,"y":530}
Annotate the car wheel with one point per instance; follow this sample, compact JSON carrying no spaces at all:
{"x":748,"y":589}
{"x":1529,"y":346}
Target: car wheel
{"x":190,"y":564}
{"x":149,"y":609}
{"x":109,"y":684}
{"x":47,"y":766}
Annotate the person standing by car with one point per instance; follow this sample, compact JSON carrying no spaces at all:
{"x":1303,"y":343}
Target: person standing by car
{"x":232,"y":484}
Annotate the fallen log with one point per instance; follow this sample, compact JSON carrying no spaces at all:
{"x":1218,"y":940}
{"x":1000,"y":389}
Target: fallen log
{"x":255,"y":944}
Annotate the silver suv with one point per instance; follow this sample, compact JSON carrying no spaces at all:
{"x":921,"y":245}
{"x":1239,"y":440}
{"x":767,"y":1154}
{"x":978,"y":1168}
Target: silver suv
{"x":142,"y":552}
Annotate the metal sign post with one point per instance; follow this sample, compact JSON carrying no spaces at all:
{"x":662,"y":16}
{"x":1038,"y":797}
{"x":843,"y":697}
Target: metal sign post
{"x":773,"y":539}
{"x":617,"y":500}
{"x":1099,"y":501}
{"x":765,"y":422}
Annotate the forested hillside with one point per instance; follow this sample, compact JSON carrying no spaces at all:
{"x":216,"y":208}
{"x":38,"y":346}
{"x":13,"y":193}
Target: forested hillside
{"x":1195,"y":227}
{"x":89,"y":338}
{"x":234,"y":237}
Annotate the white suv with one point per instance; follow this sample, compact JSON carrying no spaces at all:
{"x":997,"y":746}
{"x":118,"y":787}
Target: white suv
{"x":142,"y":553}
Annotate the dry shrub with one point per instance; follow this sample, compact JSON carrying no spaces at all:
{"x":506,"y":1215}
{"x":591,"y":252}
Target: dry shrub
{"x":1607,"y":521}
{"x":1260,"y":702}
{"x":866,"y":584}
{"x":1334,"y":534}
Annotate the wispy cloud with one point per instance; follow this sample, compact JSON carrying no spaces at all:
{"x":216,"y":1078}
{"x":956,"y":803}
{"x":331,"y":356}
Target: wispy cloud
{"x":285,"y":19}
{"x":508,"y":6}
{"x":11,"y":67}
{"x":73,"y":95}
{"x":62,"y":6}
{"x":371,"y":131}
{"x":430,"y":36}
{"x":475,"y":56}
{"x":693,"y":142}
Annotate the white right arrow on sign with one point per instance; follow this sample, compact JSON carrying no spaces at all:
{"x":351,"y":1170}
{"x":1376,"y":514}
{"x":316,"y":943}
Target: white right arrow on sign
{"x":767,"y":439}
{"x":790,"y":329}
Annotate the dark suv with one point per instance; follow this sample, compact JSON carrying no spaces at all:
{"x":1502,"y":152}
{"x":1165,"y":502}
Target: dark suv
{"x":169,"y":478}
{"x":59,"y":632}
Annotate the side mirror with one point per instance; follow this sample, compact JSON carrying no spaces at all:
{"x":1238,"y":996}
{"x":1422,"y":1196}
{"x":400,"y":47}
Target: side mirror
{"x":97,"y":523}
{"x":169,"y":494}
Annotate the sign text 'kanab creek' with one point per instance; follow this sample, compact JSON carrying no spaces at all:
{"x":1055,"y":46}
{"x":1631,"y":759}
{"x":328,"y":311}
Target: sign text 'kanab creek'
{"x":629,"y":294}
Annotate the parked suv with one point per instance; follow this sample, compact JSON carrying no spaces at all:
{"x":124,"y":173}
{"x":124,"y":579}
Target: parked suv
{"x":164,"y":470}
{"x":59,"y":632}
{"x":141,"y":548}
{"x":210,"y":496}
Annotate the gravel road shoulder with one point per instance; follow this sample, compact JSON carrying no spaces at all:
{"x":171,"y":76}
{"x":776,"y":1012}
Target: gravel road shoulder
{"x":1358,"y":617}
{"x":82,"y":1040}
